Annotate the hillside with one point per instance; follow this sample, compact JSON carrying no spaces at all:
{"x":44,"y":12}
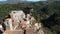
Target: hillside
{"x":43,"y":11}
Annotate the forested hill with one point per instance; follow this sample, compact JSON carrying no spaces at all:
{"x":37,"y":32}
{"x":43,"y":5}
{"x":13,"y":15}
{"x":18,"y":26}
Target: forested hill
{"x":42,"y":10}
{"x":5,"y":8}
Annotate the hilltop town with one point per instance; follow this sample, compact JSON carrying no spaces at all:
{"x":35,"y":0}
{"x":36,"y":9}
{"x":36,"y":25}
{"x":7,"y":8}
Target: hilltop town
{"x":18,"y":21}
{"x":45,"y":13}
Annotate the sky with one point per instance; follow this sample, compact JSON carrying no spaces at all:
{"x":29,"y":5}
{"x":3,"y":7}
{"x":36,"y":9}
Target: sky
{"x":36,"y":0}
{"x":28,"y":0}
{"x":3,"y":0}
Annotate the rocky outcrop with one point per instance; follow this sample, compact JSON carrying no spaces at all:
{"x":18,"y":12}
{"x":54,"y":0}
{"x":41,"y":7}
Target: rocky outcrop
{"x":21,"y":21}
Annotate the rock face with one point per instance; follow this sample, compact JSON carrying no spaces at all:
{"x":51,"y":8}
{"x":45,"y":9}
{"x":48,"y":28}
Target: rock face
{"x":14,"y":32}
{"x":21,"y":22}
{"x":17,"y":15}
